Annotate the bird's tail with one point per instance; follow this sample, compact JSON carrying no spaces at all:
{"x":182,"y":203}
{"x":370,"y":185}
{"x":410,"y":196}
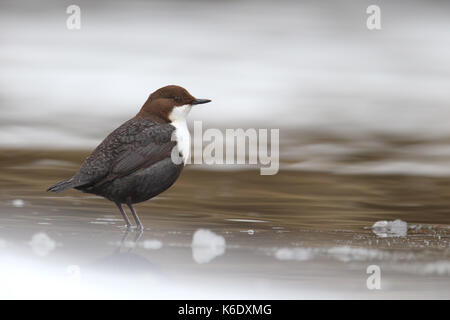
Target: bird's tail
{"x":62,"y":185}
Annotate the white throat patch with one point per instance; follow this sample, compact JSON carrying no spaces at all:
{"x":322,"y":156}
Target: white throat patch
{"x":182,"y":135}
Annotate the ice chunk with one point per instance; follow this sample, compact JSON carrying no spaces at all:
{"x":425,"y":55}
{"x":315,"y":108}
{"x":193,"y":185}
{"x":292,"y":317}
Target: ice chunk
{"x":207,"y":245}
{"x":42,"y":244}
{"x":18,"y":203}
{"x":384,"y":229}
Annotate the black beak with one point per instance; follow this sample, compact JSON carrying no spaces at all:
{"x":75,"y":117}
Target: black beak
{"x":200,"y":101}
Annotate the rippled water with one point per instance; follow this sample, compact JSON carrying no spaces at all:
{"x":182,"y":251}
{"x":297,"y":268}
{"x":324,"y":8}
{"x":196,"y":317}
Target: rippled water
{"x":219,"y":234}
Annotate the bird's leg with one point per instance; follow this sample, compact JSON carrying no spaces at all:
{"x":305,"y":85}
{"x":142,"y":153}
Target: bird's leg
{"x":135,"y":216}
{"x":122,"y":241}
{"x":124,"y":215}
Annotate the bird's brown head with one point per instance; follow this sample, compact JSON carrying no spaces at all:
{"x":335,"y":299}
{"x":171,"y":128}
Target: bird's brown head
{"x":168,"y":104}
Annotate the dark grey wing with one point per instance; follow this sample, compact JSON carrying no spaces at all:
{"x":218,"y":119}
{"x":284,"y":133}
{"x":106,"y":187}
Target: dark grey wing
{"x":133,"y":145}
{"x":150,"y":152}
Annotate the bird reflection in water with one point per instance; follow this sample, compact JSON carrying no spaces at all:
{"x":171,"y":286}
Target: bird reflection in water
{"x":124,"y":258}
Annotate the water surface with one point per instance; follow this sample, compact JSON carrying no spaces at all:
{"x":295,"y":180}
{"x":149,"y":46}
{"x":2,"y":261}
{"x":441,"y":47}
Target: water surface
{"x":219,"y":234}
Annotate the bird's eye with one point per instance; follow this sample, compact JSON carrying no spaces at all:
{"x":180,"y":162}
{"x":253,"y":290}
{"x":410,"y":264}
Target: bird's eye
{"x":177,"y":99}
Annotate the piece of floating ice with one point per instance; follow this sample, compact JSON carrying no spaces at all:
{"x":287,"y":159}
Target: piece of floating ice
{"x":151,"y":244}
{"x":396,"y":228}
{"x":207,"y":245}
{"x":42,"y":244}
{"x":424,"y":227}
{"x":18,"y":203}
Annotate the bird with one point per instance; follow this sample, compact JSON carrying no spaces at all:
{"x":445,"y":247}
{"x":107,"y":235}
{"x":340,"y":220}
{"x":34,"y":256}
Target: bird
{"x":141,"y":158}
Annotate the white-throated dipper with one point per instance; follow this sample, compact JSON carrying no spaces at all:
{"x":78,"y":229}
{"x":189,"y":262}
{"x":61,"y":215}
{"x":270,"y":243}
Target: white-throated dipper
{"x":135,"y":162}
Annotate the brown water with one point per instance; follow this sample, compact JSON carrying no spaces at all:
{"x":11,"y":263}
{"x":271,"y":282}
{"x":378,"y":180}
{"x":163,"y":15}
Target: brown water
{"x":292,"y":235}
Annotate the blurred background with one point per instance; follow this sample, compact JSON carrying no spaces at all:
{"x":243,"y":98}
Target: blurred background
{"x":364,"y":119}
{"x":313,"y":68}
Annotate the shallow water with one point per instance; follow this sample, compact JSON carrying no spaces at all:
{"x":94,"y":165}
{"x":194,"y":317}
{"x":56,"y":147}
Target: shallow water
{"x":223,"y":234}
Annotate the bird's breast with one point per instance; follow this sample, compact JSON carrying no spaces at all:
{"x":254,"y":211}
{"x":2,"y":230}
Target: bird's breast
{"x":183,"y":138}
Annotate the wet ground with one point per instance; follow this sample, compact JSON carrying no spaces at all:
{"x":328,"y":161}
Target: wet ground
{"x":224,"y":234}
